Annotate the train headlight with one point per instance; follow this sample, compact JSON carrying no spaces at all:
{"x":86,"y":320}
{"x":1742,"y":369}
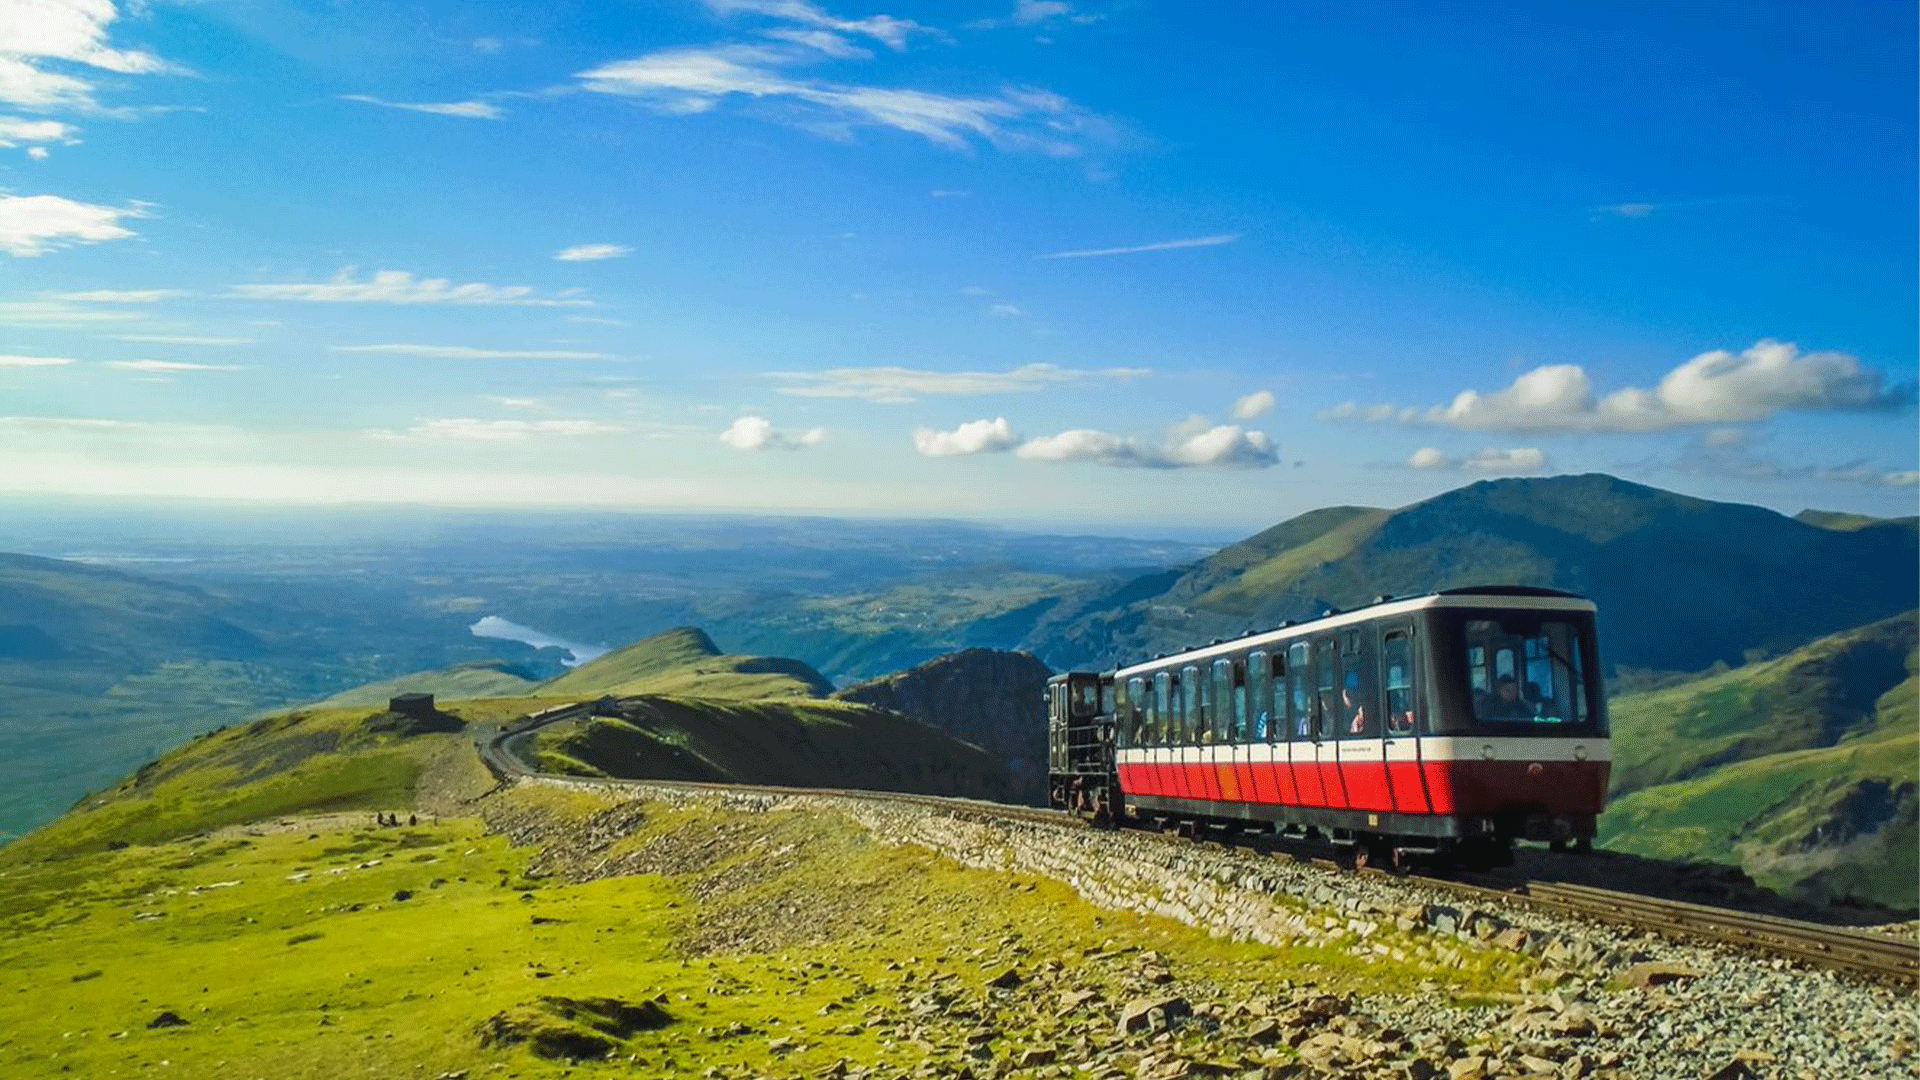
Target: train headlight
{"x":1486,"y":752}
{"x":1579,"y":753}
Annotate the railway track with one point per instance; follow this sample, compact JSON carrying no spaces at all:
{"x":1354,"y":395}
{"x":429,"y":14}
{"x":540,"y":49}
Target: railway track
{"x":1859,"y":952}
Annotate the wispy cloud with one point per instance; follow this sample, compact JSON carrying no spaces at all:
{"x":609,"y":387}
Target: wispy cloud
{"x":1164,"y":245}
{"x":1718,"y":387}
{"x":471,"y":110}
{"x":168,"y":366}
{"x":467,"y":429}
{"x":885,"y":29}
{"x":51,"y":313}
{"x":1028,"y":14}
{"x":1718,"y":454}
{"x":401,"y":287}
{"x":33,"y":361}
{"x":182,"y":339}
{"x":463,"y":352}
{"x":900,"y":385}
{"x":32,"y":225}
{"x":593,"y":252}
{"x":692,"y":80}
{"x":752,"y":433}
{"x":15,"y":131}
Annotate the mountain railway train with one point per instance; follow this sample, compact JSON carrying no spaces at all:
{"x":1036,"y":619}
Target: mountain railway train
{"x":1446,"y":725}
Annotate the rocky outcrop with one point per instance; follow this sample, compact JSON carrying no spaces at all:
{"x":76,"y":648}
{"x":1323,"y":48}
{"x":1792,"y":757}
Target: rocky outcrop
{"x":994,"y":699}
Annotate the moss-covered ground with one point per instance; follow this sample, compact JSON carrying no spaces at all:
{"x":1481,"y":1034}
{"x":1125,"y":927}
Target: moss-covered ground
{"x":765,"y":944}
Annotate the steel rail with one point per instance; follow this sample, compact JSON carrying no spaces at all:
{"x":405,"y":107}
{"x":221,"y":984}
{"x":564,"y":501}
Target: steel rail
{"x":1860,"y":952}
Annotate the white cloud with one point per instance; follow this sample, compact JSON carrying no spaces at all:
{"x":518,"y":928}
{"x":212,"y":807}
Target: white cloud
{"x":37,"y":153}
{"x":119,"y":296}
{"x":757,"y":433}
{"x":33,"y":361}
{"x":401,"y":287}
{"x":519,"y":402}
{"x":467,"y":429}
{"x":1628,"y":209}
{"x":1191,"y":445}
{"x":591,"y":252}
{"x":595,"y":320}
{"x":33,"y":225}
{"x":463,"y":352}
{"x":471,"y":110}
{"x":70,"y":31}
{"x":15,"y":130}
{"x":899,"y":385}
{"x":885,"y":29}
{"x":974,"y":437}
{"x":1257,"y":404}
{"x":1520,"y":459}
{"x":690,"y":81}
{"x":169,"y":365}
{"x":1032,"y":13}
{"x":182,"y":339}
{"x":1163,"y":245}
{"x":1717,"y":387}
{"x":1004,"y":311}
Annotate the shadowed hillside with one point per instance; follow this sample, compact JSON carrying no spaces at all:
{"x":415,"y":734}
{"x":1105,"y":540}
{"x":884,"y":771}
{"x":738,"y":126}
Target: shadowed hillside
{"x":994,"y":700}
{"x":1799,"y":769}
{"x":1681,"y":582}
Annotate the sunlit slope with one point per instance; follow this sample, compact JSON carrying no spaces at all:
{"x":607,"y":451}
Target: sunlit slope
{"x":1801,"y":769}
{"x":308,"y":760}
{"x":793,"y":743}
{"x":1681,"y":582}
{"x":685,"y":661}
{"x":465,"y":682}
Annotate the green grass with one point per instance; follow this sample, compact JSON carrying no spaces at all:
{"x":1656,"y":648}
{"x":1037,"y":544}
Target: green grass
{"x":496,"y":679}
{"x":680,"y":660}
{"x":290,"y":957}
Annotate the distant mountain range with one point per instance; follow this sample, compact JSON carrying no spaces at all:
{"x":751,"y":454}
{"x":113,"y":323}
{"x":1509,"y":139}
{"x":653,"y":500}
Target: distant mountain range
{"x":1681,"y":582}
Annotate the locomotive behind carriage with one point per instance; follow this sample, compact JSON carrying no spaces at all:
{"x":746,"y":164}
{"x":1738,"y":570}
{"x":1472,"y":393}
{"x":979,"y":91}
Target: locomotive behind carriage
{"x":1444,"y":725}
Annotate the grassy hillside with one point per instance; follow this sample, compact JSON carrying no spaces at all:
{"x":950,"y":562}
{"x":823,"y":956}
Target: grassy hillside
{"x":1801,"y":769}
{"x":685,"y":661}
{"x":1843,"y":522}
{"x":1681,"y":582}
{"x":299,"y":762}
{"x":736,"y":944}
{"x":784,"y":742}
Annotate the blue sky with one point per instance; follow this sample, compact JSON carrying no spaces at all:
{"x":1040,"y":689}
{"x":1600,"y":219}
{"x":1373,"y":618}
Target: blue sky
{"x":1116,"y":263}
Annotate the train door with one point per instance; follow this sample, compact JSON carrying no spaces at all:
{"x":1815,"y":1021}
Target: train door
{"x":1304,"y":731}
{"x":1399,"y":701}
{"x":1280,"y":730}
{"x":1201,"y":778}
{"x":1326,"y":717}
{"x":1360,"y":739}
{"x":1180,"y":761}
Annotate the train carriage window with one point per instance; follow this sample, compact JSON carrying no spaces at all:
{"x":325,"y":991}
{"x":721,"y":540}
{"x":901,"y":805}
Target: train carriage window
{"x":1396,"y":660}
{"x":1162,"y":709}
{"x":1359,"y":704}
{"x":1177,"y":725}
{"x":1242,"y":718}
{"x":1299,"y":674}
{"x":1531,"y":668}
{"x":1259,"y":696}
{"x":1277,"y":730}
{"x":1196,"y":691}
{"x":1326,"y":678}
{"x":1108,"y":692}
{"x":1086,"y":698}
{"x":1222,"y":699}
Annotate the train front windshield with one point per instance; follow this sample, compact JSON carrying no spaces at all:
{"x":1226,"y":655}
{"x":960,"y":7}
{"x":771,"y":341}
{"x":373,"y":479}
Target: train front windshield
{"x":1533,"y":672}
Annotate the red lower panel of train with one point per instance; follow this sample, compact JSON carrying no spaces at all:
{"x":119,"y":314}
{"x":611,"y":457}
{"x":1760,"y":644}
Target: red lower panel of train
{"x":1567,"y":788}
